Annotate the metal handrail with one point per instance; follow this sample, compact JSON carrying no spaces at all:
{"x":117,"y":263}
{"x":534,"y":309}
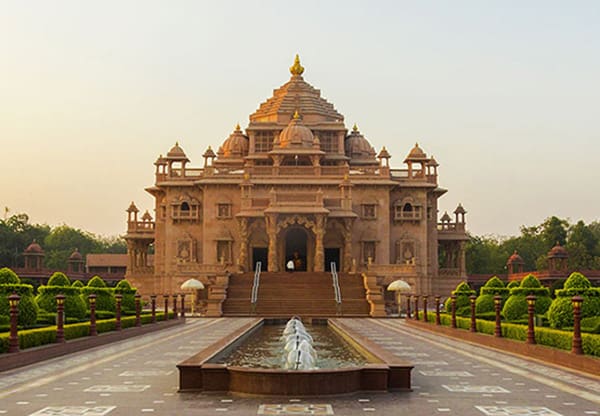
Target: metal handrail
{"x":255,"y":285}
{"x":336,"y":284}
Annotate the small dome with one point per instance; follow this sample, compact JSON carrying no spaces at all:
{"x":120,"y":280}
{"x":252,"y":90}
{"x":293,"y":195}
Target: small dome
{"x":446,"y":217}
{"x":146,"y":216}
{"x":75,"y":256}
{"x":432,"y":162}
{"x":34,"y":248}
{"x":235,"y":146}
{"x":177,"y":153}
{"x":209,"y":152}
{"x":296,"y":134}
{"x":160,"y":161}
{"x":515,"y":259}
{"x":384,"y":154}
{"x":558,"y":251}
{"x":132,"y":208}
{"x":358,"y":147}
{"x":416,"y":155}
{"x":460,"y":210}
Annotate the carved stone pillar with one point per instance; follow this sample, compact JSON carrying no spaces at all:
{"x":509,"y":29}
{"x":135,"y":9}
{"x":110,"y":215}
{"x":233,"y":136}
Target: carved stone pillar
{"x":319,"y":233}
{"x":348,"y":245}
{"x":271,"y":222}
{"x":243,"y":257}
{"x":462,"y":262}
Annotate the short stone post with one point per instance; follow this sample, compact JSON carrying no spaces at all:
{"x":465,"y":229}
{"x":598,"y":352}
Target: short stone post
{"x":453,"y":310}
{"x":473,"y":328}
{"x":166,"y":298}
{"x":183,"y":305}
{"x":92,"y":299}
{"x":60,"y":318}
{"x":425,"y":308}
{"x":576,"y":347}
{"x":138,"y":309}
{"x":13,"y":341}
{"x":530,"y":315}
{"x":438,"y":320}
{"x":153,"y":302}
{"x":498,"y":328}
{"x":175,"y":295}
{"x":118,"y":299}
{"x":408,"y":312}
{"x":416,"y":307}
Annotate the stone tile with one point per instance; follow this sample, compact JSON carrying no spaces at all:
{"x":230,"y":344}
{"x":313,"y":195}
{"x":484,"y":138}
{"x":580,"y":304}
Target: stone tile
{"x":461,"y":388}
{"x":118,"y":388}
{"x":295,"y":409}
{"x":516,"y":410}
{"x":74,"y":411}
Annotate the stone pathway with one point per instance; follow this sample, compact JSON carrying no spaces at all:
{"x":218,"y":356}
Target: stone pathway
{"x":138,"y":376}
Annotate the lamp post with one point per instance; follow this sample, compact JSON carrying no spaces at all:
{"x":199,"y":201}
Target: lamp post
{"x":424,"y":308}
{"x":576,"y":347}
{"x":175,"y":295}
{"x":472,"y":300}
{"x":530,"y":314}
{"x":60,"y":318}
{"x":138,"y":309}
{"x":183,"y":305}
{"x":453,"y":309}
{"x":438,"y":320}
{"x":92,"y":299}
{"x":166,"y":298}
{"x":416,"y":307}
{"x":13,"y":341}
{"x":118,"y":298}
{"x":153,"y":301}
{"x":498,"y":328}
{"x":408,"y":313}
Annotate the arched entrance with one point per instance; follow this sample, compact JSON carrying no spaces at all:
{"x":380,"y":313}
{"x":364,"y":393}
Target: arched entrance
{"x":295,"y":247}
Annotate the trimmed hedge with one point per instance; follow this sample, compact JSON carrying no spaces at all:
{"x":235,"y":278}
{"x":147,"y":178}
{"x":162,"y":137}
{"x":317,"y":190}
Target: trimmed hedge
{"x":59,"y":279}
{"x":74,"y":304}
{"x":8,"y":277}
{"x":463,"y":305}
{"x":30,"y":338}
{"x":560,"y":313}
{"x":485,"y":301}
{"x":28,"y":307}
{"x":124,"y":288}
{"x":515,"y":306}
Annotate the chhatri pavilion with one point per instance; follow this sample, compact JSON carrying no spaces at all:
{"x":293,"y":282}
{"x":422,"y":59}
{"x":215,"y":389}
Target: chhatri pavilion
{"x":296,"y":184}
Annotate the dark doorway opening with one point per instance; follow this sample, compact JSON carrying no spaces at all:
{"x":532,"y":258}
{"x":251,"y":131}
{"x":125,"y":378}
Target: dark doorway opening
{"x":332,"y":255}
{"x":295,"y":248}
{"x":260,"y":254}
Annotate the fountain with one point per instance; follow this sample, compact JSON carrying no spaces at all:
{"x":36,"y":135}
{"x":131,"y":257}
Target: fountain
{"x":268,"y":358}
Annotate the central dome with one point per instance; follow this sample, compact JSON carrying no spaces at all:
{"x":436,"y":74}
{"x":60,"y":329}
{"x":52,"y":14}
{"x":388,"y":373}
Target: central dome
{"x":296,"y":134}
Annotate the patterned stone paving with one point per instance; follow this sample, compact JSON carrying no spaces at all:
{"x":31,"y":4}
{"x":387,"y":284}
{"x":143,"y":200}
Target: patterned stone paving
{"x":138,"y":376}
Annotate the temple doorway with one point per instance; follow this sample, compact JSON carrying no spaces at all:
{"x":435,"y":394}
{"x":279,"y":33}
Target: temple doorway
{"x":260,"y":254}
{"x":295,"y":248}
{"x":332,"y":255}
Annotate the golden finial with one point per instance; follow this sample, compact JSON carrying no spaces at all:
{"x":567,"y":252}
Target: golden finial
{"x":237,"y":127}
{"x":355,"y":128}
{"x":177,"y":143}
{"x":296,"y":115}
{"x":296,"y":69}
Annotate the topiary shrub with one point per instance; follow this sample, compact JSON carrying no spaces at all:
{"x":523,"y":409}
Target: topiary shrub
{"x":28,"y":307}
{"x":463,"y":305}
{"x":59,"y":279}
{"x":485,"y":301}
{"x":124,"y":288}
{"x":74,"y":304}
{"x":560,"y":313}
{"x":513,"y":284}
{"x":105,"y":297}
{"x":8,"y":277}
{"x":515,"y":306}
{"x":77,"y":283}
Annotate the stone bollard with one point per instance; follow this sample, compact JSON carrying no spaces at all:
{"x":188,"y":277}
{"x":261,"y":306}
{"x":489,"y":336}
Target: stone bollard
{"x":175,"y":295}
{"x":183,"y":305}
{"x":473,"y":327}
{"x":118,"y":298}
{"x":408,"y":312}
{"x":498,"y":328}
{"x":438,"y":320}
{"x":60,"y":318}
{"x":416,"y":307}
{"x":530,"y":315}
{"x":166,"y":298}
{"x":453,"y":309}
{"x":153,"y":301}
{"x":425,"y":308}
{"x":92,"y":299}
{"x":576,"y":347}
{"x":13,"y":341}
{"x":138,"y":309}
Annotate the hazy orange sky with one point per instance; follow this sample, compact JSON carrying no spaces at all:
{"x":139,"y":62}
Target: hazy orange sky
{"x":504,"y":94}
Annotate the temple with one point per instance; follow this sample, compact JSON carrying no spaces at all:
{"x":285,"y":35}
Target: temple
{"x":296,"y":184}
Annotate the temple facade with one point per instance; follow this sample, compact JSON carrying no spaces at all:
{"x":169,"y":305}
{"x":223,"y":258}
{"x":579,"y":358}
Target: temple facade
{"x":296,"y":184}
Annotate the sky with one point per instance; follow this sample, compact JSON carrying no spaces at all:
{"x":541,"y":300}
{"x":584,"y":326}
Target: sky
{"x":504,"y":94}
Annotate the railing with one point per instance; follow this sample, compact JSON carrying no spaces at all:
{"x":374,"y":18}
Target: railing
{"x":336,"y":288}
{"x":255,"y":284}
{"x":141,"y":226}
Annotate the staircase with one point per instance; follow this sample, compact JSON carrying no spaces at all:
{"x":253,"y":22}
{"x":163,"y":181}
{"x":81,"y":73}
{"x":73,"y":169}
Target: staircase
{"x":285,"y":294}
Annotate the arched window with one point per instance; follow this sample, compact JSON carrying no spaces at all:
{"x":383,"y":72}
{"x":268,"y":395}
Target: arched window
{"x":407,"y":207}
{"x":185,"y":206}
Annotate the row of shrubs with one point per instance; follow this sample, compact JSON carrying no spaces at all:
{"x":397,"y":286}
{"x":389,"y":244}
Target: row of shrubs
{"x":558,"y":313}
{"x":544,"y":336}
{"x":76,"y":297}
{"x":30,"y":338}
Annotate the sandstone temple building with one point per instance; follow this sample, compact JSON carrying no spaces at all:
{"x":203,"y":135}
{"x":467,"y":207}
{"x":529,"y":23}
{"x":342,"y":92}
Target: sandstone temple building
{"x":296,"y":184}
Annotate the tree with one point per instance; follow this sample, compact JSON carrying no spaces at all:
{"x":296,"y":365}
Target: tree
{"x":554,"y":230}
{"x":581,"y":246}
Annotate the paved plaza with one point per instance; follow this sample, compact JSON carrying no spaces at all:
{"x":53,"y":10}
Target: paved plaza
{"x":138,"y":376}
